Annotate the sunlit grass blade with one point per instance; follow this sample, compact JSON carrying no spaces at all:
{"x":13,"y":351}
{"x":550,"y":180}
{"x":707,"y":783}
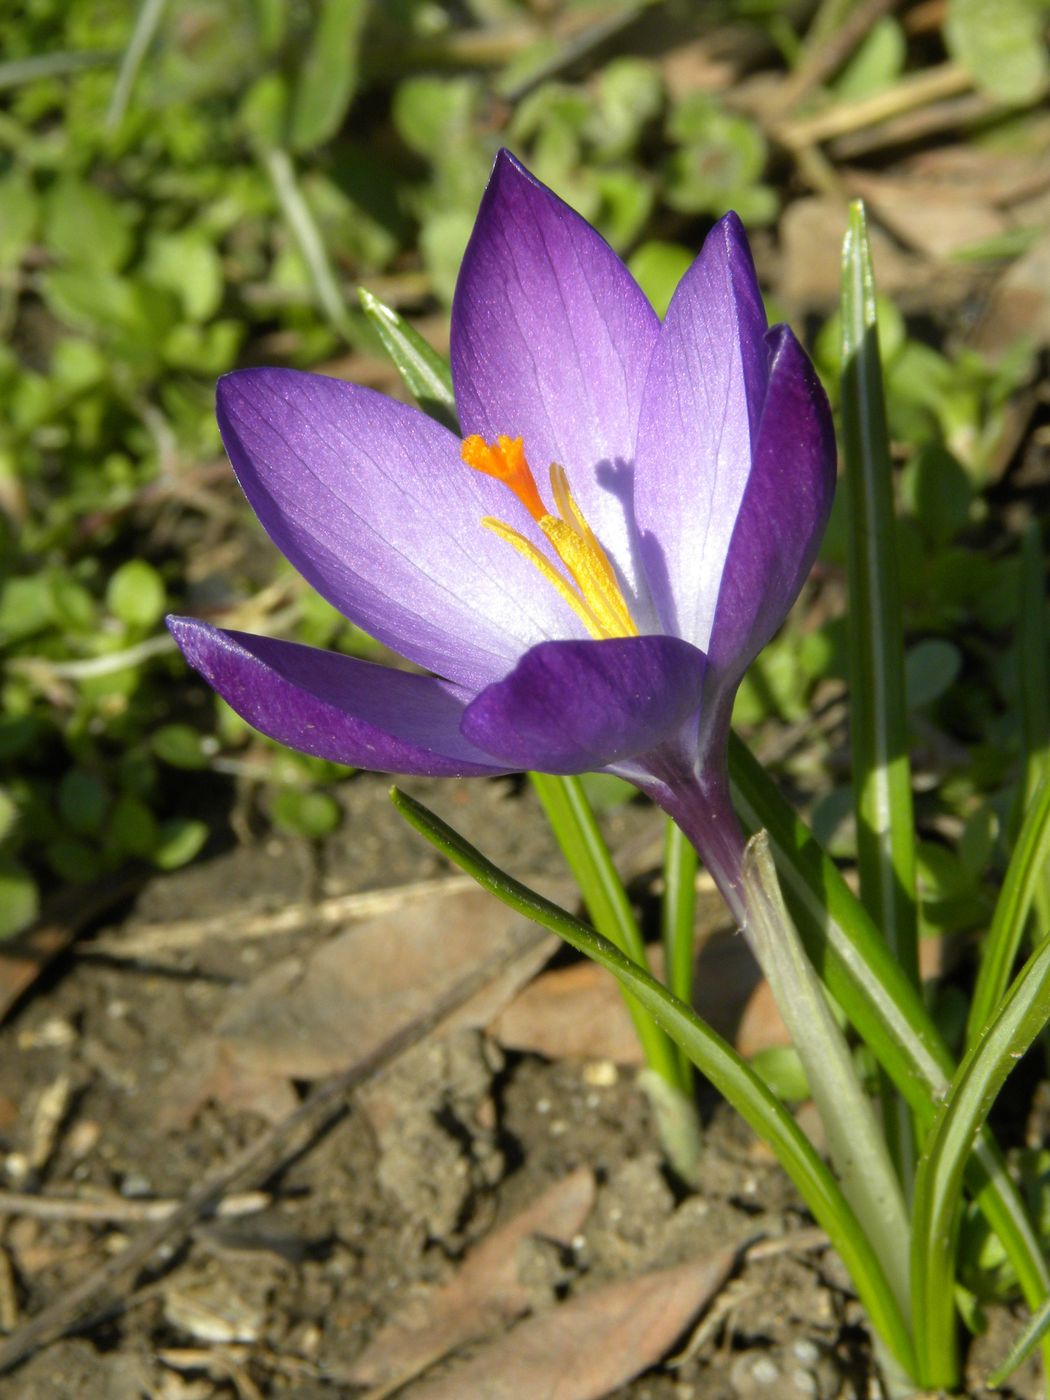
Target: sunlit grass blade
{"x":938,"y":1182}
{"x":308,"y":239}
{"x":678,"y":916}
{"x":425,"y":372}
{"x":878,"y":709}
{"x":576,"y":830}
{"x":147,"y":22}
{"x":1024,"y":874}
{"x":881,"y":1003}
{"x":726,"y":1070}
{"x":1033,"y":1332}
{"x":1033,"y":648}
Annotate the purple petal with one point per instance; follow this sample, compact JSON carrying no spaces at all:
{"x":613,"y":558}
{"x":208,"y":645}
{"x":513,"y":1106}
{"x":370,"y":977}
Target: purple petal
{"x":700,"y":413}
{"x":551,"y":337}
{"x":570,"y":707}
{"x":783,"y":513}
{"x":370,"y":501}
{"x":333,"y":706}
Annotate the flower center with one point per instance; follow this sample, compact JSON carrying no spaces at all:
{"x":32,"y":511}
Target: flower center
{"x":591,"y":588}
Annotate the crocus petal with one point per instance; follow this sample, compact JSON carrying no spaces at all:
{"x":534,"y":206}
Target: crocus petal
{"x":370,"y":501}
{"x":570,"y":707}
{"x":783,"y":512}
{"x":334,"y":706}
{"x":551,"y":338}
{"x":700,"y":412}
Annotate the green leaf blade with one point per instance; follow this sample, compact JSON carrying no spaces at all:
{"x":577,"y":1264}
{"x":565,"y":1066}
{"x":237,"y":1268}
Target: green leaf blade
{"x":729,"y":1073}
{"x":938,"y":1185}
{"x":425,"y":372}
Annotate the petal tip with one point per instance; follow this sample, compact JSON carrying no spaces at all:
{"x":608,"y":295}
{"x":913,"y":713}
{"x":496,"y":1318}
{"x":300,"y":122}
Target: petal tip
{"x":190,"y":634}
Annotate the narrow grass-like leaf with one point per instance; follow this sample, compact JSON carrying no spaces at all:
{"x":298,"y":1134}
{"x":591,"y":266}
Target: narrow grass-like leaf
{"x":147,"y":22}
{"x":1026,"y":870}
{"x":577,"y":832}
{"x":938,"y":1182}
{"x":425,"y":372}
{"x":307,"y":237}
{"x":881,"y":1003}
{"x":1033,"y":648}
{"x":878,"y":707}
{"x":325,"y":82}
{"x":678,"y":917}
{"x":1033,"y":1332}
{"x":19,"y":71}
{"x":729,"y":1073}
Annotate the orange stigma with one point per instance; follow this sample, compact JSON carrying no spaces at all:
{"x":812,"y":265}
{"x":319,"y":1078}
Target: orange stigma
{"x":588,"y":584}
{"x":506,"y":462}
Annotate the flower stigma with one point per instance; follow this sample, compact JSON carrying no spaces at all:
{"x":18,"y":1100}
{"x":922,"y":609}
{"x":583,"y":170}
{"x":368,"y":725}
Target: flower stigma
{"x":592,"y":589}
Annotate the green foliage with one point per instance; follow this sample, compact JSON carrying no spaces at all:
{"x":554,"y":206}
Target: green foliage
{"x":1003,"y":45}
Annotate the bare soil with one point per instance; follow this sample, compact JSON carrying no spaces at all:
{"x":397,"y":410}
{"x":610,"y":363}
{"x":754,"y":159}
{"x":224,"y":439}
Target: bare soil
{"x":364,"y":1217}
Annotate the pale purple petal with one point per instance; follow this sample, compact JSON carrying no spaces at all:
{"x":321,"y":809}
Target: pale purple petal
{"x":783,"y":513}
{"x":700,"y":412}
{"x":551,"y":338}
{"x":571,"y":707}
{"x":334,"y":706}
{"x":370,"y":501}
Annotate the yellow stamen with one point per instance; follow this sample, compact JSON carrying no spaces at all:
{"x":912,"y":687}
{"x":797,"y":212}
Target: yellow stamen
{"x":592,"y":589}
{"x":547,"y":569}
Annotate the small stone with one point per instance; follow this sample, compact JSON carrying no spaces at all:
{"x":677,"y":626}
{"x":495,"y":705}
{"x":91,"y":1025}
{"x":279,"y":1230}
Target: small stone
{"x":765,"y":1371}
{"x":806,"y":1351}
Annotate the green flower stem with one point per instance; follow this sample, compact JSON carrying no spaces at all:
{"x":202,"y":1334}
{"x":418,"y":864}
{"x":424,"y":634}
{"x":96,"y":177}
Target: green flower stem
{"x":855,"y":1141}
{"x":746,"y":879}
{"x":587,"y":855}
{"x":678,"y":919}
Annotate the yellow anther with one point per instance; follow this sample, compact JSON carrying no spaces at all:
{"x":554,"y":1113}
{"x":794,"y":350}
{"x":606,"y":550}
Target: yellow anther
{"x":591,"y":589}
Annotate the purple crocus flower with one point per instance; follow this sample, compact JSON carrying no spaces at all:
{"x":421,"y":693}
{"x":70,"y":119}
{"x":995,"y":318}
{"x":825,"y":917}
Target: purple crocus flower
{"x":600,"y":617}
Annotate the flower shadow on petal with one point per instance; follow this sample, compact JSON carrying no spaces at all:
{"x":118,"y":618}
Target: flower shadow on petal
{"x":572,"y":707}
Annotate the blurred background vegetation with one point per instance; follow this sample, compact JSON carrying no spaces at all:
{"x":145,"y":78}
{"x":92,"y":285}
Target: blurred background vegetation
{"x":194,"y":185}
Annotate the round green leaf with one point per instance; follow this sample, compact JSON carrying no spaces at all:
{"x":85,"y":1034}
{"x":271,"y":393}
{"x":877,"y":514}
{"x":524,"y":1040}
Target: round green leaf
{"x":74,"y":861}
{"x":82,"y":801}
{"x":180,"y":745}
{"x":1001,"y":45}
{"x":179,"y":840}
{"x":133,"y":828}
{"x":931,"y":668}
{"x":312,"y":814}
{"x":136,"y":595}
{"x":19,"y":899}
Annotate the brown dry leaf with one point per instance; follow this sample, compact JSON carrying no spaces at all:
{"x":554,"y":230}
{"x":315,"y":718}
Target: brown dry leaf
{"x":1019,"y":305}
{"x":811,"y":232}
{"x":578,"y":1012}
{"x":486,"y":1293}
{"x":317,"y":1014}
{"x":583,"y":1349}
{"x":575,"y":1012}
{"x":937,"y":220}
